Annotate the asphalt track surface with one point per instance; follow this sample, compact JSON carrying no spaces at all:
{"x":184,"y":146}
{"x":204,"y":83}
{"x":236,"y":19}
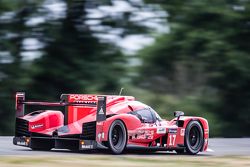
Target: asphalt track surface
{"x":217,"y":147}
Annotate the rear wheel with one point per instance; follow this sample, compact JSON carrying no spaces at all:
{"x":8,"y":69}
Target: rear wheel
{"x":194,"y":137}
{"x":117,"y":137}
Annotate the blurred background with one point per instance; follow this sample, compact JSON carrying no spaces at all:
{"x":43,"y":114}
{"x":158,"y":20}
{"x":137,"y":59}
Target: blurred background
{"x":188,"y":55}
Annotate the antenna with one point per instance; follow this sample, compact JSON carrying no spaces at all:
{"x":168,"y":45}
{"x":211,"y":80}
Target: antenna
{"x":121,"y":91}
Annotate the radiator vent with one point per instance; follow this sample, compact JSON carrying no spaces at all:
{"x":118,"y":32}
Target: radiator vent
{"x":22,"y":127}
{"x":89,"y":131}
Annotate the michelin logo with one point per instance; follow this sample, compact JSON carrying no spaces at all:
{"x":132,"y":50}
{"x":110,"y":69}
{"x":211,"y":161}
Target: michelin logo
{"x":161,"y":130}
{"x":36,"y":126}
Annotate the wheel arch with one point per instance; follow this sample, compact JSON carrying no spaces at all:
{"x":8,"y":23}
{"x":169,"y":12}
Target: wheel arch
{"x":203,"y":122}
{"x":205,"y":128}
{"x":126,"y":120}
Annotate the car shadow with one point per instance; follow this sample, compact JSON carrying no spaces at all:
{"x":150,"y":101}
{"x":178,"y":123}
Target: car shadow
{"x":137,"y":152}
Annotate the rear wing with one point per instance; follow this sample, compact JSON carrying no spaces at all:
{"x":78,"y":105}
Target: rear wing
{"x":100,"y":104}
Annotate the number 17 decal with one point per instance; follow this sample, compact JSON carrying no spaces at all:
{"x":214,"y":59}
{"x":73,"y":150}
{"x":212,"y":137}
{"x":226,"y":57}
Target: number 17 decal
{"x":172,"y":140}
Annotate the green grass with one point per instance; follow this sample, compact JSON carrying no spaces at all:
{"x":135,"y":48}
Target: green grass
{"x":123,"y":160}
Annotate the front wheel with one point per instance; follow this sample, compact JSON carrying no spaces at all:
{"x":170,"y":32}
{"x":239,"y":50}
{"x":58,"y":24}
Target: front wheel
{"x":194,"y":139}
{"x":117,"y":137}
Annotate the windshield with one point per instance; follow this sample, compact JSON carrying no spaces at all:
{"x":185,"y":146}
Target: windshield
{"x":156,"y":114}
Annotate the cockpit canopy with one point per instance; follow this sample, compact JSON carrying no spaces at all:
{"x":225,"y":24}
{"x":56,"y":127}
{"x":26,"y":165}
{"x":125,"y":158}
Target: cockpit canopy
{"x":147,"y":115}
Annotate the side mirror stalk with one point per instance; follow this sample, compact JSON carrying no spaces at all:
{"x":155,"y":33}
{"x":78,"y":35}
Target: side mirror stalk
{"x":178,"y":114}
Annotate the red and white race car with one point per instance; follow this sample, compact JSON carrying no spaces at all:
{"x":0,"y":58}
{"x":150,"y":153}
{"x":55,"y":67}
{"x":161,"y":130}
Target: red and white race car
{"x":106,"y":121}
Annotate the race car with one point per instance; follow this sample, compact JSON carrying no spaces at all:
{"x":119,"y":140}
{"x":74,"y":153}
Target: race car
{"x":114,"y":122}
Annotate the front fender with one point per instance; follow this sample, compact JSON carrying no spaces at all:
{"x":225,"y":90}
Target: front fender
{"x":204,"y":124}
{"x":187,"y":119}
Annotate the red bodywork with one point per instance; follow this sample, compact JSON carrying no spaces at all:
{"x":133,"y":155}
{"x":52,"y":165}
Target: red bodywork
{"x":81,"y":110}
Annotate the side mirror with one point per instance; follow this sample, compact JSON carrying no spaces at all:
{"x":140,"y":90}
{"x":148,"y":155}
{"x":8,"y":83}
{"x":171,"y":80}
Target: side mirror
{"x":178,"y":113}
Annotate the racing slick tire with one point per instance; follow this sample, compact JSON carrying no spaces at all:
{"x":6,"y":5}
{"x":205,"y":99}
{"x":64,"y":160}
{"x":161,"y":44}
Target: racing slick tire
{"x":193,"y":137}
{"x":117,"y":137}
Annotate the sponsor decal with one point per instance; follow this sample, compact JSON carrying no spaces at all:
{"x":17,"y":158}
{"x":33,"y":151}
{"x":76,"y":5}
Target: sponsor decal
{"x":36,"y":126}
{"x":101,"y":111}
{"x":144,"y":134}
{"x":182,"y":132}
{"x":99,"y":136}
{"x":172,"y":130}
{"x":87,"y":146}
{"x":149,"y":134}
{"x":22,"y":143}
{"x":78,"y":97}
{"x":99,"y":123}
{"x":161,"y":130}
{"x":139,"y":132}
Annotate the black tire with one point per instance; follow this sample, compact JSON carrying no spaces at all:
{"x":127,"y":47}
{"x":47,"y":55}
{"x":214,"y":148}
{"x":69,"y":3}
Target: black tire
{"x":117,"y":137}
{"x":194,"y":139}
